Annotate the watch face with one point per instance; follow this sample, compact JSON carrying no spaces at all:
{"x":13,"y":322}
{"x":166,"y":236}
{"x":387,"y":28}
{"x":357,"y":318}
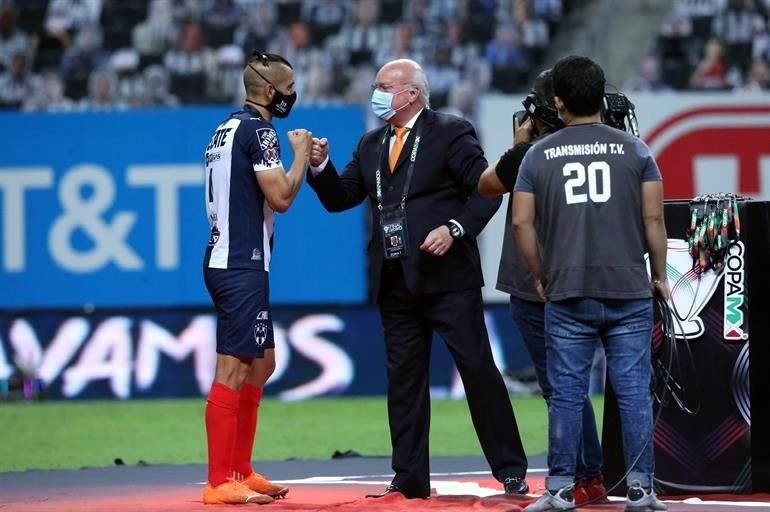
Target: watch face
{"x":454,"y":231}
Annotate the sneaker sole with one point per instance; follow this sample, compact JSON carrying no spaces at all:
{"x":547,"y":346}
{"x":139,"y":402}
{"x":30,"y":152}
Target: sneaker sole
{"x":258,"y":500}
{"x":280,"y":494}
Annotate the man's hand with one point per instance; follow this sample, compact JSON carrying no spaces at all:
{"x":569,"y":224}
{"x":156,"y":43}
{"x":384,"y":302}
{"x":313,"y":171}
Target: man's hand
{"x":319,"y":152}
{"x":523,"y":133}
{"x":438,"y":241}
{"x":301,"y":142}
{"x":539,"y":288}
{"x":660,"y":288}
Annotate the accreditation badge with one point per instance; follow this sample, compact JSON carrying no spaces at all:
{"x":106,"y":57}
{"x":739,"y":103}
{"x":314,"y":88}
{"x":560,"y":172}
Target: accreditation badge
{"x":394,"y":233}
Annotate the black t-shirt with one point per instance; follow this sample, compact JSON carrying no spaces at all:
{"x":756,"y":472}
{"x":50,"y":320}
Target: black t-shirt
{"x":513,"y":276}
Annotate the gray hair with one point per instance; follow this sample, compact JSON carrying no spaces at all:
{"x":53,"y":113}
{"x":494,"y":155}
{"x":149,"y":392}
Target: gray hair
{"x":420,"y":81}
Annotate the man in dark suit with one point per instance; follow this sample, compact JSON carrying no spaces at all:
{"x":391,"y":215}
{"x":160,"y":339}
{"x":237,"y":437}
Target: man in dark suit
{"x":420,"y":173}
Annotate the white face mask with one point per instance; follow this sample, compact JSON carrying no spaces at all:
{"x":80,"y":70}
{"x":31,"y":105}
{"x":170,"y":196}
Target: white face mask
{"x":382,"y":104}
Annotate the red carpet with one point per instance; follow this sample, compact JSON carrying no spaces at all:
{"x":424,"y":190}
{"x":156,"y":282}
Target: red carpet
{"x":456,"y":493}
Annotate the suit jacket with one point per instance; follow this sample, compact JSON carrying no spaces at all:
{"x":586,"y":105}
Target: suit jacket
{"x":448,"y":164}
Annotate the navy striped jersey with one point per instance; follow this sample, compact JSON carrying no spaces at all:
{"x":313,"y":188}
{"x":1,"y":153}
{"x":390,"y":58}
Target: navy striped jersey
{"x":240,"y":219}
{"x":587,"y":181}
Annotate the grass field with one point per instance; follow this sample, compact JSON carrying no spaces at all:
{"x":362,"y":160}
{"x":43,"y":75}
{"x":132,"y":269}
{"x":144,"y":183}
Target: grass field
{"x":56,"y":435}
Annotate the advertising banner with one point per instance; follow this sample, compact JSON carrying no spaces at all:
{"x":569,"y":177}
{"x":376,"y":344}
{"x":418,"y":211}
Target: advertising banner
{"x":106,"y":209}
{"x":320,"y":351}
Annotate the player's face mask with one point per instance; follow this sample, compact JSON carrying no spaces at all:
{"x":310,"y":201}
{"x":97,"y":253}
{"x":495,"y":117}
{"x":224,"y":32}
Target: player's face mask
{"x":281,"y":104}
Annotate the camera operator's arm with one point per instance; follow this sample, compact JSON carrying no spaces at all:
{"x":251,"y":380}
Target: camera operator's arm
{"x":523,"y":220}
{"x":499,"y":178}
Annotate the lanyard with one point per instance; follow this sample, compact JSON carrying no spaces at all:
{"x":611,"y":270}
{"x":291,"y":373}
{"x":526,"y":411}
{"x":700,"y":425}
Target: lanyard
{"x":409,"y":172}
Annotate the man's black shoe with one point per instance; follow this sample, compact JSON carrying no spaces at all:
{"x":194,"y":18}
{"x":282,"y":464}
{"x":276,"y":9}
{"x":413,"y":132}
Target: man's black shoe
{"x":515,"y":485}
{"x":388,"y":490}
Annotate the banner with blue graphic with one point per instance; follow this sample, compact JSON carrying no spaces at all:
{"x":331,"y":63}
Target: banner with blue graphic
{"x":107,"y":210}
{"x":320,"y":351}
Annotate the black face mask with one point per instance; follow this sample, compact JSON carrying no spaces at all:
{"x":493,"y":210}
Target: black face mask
{"x":281,"y":104}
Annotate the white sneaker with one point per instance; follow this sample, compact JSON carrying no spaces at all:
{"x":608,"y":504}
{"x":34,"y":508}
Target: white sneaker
{"x":562,"y":500}
{"x":641,"y":500}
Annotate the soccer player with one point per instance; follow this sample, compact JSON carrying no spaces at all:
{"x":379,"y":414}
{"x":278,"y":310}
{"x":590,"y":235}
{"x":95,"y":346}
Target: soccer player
{"x":245,"y":183}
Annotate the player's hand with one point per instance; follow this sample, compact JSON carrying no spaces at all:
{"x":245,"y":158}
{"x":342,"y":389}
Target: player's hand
{"x":539,"y":288}
{"x":438,"y":241}
{"x":523,"y":133}
{"x":301,"y":142}
{"x":660,"y":288}
{"x":319,"y":151}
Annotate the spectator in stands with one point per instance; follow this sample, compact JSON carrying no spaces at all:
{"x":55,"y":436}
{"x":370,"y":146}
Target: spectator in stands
{"x":761,"y":47}
{"x":258,"y":26}
{"x":78,"y":37}
{"x":463,"y":53}
{"x":463,"y":102}
{"x":190,"y":65}
{"x":12,"y":40}
{"x":320,"y":87}
{"x":158,"y":95}
{"x":699,"y":8}
{"x":130,"y":87}
{"x":101,"y":92}
{"x":711,"y":71}
{"x":18,"y":84}
{"x":226,"y":85}
{"x":85,"y":55}
{"x":678,"y":51}
{"x":548,"y":10}
{"x":508,"y":59}
{"x":66,"y":17}
{"x":443,"y":11}
{"x":364,"y":35}
{"x":737,"y":26}
{"x":758,"y":78}
{"x":648,"y":79}
{"x":220,"y":21}
{"x":401,"y":47}
{"x":325,"y":18}
{"x":185,"y":11}
{"x":465,"y":56}
{"x":155,"y":35}
{"x":425,"y":29}
{"x":442,"y":75}
{"x":479,"y":13}
{"x":50,"y":97}
{"x":533,"y":31}
{"x":296,"y":47}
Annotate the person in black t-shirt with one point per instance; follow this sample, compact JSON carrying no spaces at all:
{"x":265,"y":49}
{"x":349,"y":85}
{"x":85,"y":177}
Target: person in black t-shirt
{"x":515,"y":279}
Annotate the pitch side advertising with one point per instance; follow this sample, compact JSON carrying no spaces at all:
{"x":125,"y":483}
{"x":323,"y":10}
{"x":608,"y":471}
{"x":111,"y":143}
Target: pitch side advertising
{"x":106,"y":209}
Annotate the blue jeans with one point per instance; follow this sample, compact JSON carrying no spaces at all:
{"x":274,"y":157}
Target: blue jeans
{"x":529,"y":317}
{"x":574,"y":327}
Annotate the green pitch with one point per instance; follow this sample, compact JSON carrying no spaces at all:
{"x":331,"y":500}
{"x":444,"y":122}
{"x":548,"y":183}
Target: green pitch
{"x":58,"y":435}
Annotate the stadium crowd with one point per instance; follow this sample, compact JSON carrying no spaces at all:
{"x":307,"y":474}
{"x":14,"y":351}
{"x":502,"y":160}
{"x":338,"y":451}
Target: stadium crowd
{"x":710,"y":45}
{"x":62,"y":55}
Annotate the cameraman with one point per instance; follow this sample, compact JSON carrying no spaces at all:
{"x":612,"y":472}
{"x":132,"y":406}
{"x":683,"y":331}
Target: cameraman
{"x":515,"y":279}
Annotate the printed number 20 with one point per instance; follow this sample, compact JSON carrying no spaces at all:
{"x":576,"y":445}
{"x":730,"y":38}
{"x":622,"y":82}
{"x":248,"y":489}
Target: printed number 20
{"x":577,"y":173}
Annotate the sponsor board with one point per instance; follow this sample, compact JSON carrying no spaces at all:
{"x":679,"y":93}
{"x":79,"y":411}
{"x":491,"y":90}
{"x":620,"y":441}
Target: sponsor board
{"x":320,"y":351}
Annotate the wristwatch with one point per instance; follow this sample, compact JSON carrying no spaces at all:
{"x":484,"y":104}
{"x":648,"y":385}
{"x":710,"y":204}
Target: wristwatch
{"x":454,"y":230}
